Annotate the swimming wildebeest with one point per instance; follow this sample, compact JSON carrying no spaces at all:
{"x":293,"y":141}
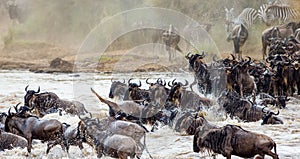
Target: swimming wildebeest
{"x":96,"y":133}
{"x":30,"y":127}
{"x":233,"y":140}
{"x":48,"y":102}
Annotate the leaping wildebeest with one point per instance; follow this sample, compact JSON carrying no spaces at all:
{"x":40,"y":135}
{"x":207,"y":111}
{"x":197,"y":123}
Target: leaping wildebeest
{"x":233,"y":140}
{"x":31,"y":127}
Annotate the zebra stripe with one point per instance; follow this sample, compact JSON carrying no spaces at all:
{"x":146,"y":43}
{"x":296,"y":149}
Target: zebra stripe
{"x":282,"y":13}
{"x":247,"y":17}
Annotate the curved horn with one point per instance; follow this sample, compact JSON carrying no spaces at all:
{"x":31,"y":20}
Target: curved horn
{"x":9,"y":112}
{"x":169,"y":84}
{"x":159,"y":81}
{"x":233,"y":57}
{"x":129,"y":80}
{"x":187,"y":56}
{"x":26,"y":88}
{"x":140,"y":84}
{"x":203,"y":54}
{"x":276,"y":113}
{"x":38,"y":91}
{"x":16,"y":107}
{"x":173,"y":82}
{"x":164,"y":83}
{"x":186,"y":83}
{"x":263,"y":110}
{"x":249,"y":60}
{"x":147,"y":81}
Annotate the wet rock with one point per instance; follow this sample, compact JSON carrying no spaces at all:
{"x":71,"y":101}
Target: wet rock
{"x":61,"y":64}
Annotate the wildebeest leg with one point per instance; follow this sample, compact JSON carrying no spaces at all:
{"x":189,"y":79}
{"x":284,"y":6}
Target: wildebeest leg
{"x":264,"y":48}
{"x":49,"y":146}
{"x":122,"y":155}
{"x":29,"y":141}
{"x":241,"y":90}
{"x":270,"y":153}
{"x":298,"y":88}
{"x":194,"y":83}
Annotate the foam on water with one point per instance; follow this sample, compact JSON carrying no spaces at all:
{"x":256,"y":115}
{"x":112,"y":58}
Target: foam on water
{"x":162,"y":144}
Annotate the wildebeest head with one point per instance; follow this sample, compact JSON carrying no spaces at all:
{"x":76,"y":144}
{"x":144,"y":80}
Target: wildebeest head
{"x":176,"y":92}
{"x":29,"y":94}
{"x":133,"y":86}
{"x":158,"y":91}
{"x":281,"y":101}
{"x":269,"y":118}
{"x":115,"y":88}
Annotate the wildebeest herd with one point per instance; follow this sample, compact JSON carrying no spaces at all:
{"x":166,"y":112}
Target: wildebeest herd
{"x":244,"y":88}
{"x":123,"y":133}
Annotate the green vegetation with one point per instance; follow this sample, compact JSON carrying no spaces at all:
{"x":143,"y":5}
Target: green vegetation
{"x":8,"y":39}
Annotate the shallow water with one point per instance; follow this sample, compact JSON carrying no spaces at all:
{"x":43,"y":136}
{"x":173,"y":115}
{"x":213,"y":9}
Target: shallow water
{"x":164,"y":143}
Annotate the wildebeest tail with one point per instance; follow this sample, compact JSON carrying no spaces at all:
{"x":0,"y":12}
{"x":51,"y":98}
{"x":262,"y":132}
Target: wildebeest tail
{"x":112,"y":104}
{"x":146,"y":146}
{"x":275,"y":148}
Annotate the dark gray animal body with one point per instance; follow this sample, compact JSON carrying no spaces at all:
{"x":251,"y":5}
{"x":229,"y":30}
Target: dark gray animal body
{"x":33,"y":128}
{"x":233,"y":140}
{"x":9,"y":141}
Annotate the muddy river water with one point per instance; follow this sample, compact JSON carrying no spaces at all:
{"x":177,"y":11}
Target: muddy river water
{"x":162,"y":144}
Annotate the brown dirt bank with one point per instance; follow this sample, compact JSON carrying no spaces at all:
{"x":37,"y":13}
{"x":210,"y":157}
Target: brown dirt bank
{"x":37,"y":57}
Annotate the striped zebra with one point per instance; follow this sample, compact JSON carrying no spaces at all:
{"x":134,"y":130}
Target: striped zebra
{"x":237,"y":28}
{"x":269,"y":13}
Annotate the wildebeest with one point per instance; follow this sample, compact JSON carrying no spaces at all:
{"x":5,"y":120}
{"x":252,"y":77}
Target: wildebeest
{"x":10,"y":141}
{"x":185,"y":121}
{"x":239,"y":79}
{"x":135,"y":93}
{"x":271,"y":118}
{"x":171,"y":40}
{"x":117,"y":89}
{"x":116,"y":146}
{"x":186,"y":100}
{"x":130,"y":110}
{"x":233,"y":140}
{"x":281,"y":31}
{"x":201,"y":73}
{"x":49,"y":102}
{"x":17,"y":10}
{"x":72,"y":135}
{"x":158,"y":92}
{"x":33,"y":128}
{"x":109,"y":126}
